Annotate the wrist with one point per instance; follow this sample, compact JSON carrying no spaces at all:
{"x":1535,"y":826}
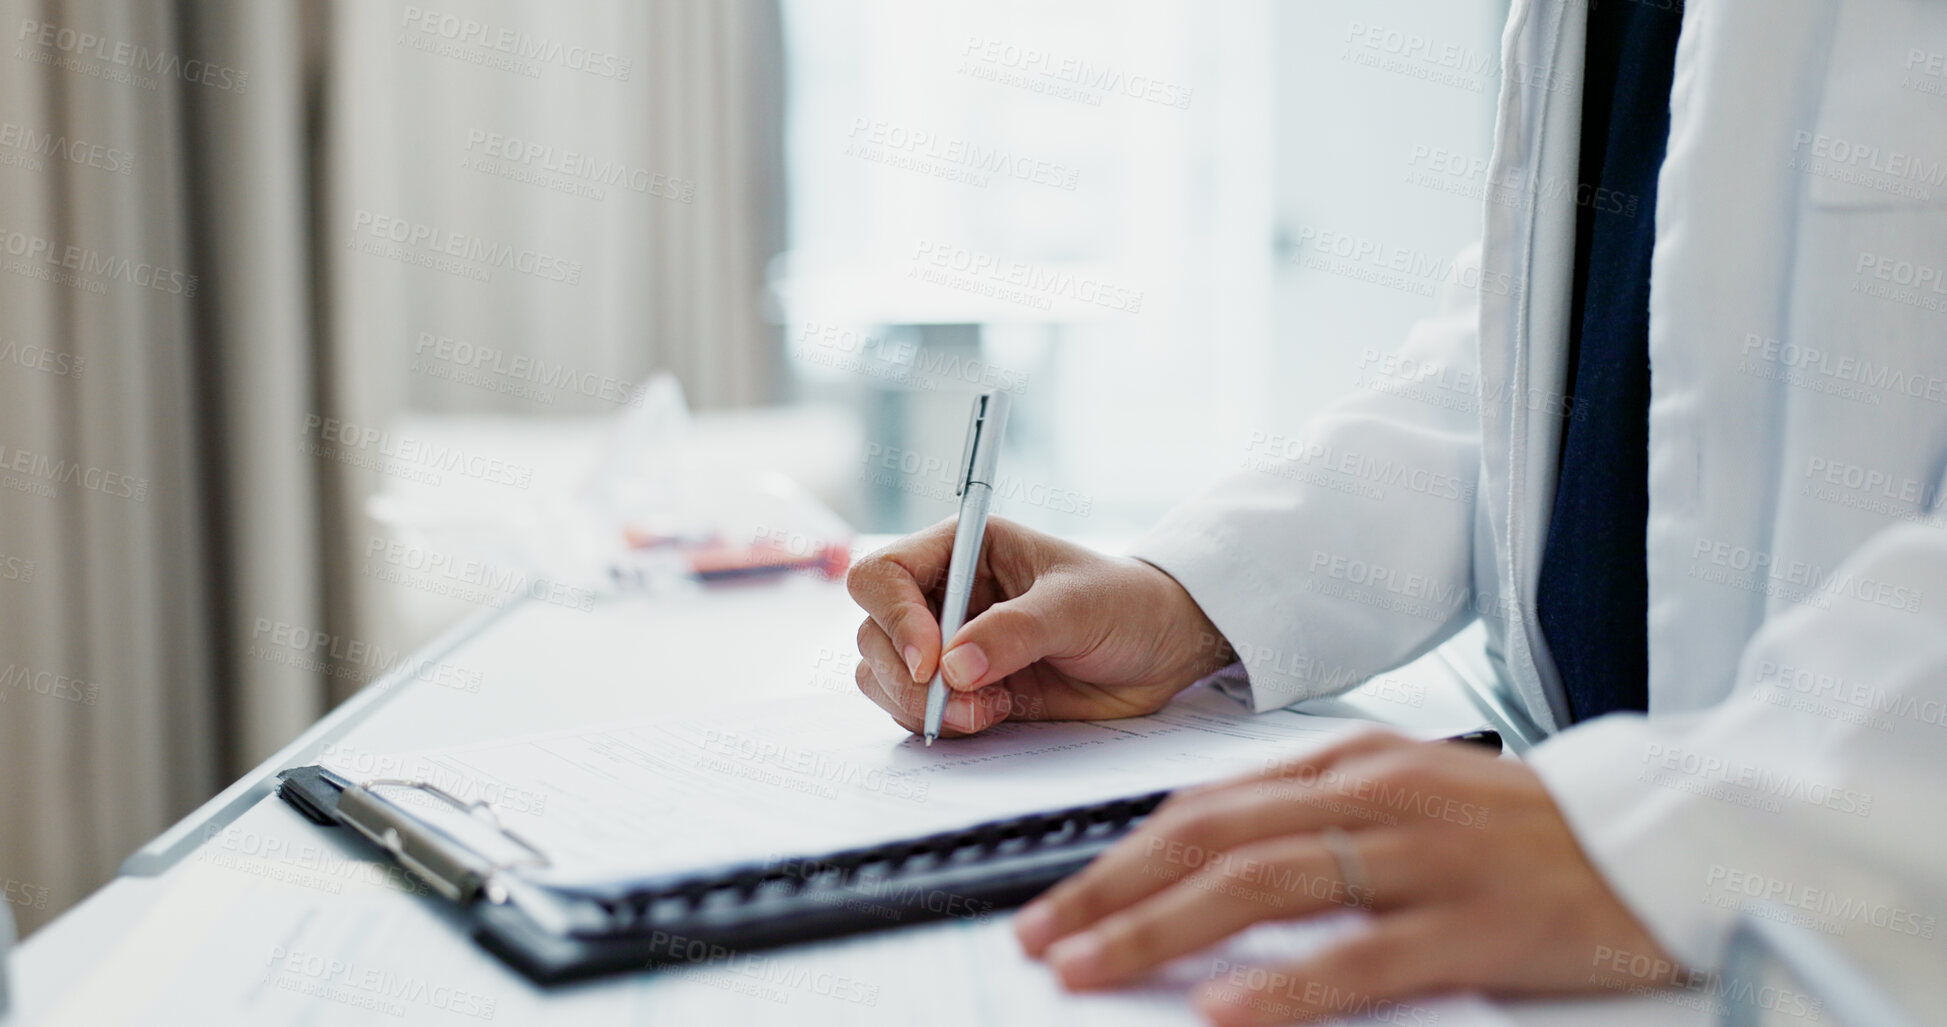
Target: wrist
{"x":1192,"y":648}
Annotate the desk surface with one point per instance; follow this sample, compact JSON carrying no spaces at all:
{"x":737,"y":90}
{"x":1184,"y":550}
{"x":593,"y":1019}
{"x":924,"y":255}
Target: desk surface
{"x":176,"y":941}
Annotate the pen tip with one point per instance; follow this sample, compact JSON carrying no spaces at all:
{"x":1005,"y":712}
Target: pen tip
{"x":929,"y":740}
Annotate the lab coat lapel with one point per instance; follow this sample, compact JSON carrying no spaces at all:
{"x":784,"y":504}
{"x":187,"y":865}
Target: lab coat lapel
{"x":1529,"y":242}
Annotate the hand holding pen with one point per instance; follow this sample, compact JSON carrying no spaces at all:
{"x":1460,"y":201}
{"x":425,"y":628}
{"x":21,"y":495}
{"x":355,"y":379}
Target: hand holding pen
{"x":1053,"y":631}
{"x":985,"y":429}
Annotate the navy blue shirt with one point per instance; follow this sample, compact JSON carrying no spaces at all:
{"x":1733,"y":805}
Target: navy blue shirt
{"x":1593,"y":595}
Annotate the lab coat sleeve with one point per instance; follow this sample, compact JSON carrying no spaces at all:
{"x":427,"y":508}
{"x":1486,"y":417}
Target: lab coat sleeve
{"x":1816,"y":786}
{"x":1343,"y":550}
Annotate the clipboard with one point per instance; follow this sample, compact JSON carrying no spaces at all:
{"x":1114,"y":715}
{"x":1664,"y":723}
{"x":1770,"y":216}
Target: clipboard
{"x":555,"y":934}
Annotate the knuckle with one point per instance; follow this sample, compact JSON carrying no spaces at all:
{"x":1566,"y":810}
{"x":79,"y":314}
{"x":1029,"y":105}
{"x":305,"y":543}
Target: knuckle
{"x":863,"y":574}
{"x":1156,"y":856}
{"x":1186,"y":818}
{"x":1167,"y":819}
{"x":900,"y":618}
{"x":1128,"y":939}
{"x":865,"y":633}
{"x":1202,"y":823}
{"x":1010,"y":620}
{"x":1084,"y":905}
{"x":1080,"y":899}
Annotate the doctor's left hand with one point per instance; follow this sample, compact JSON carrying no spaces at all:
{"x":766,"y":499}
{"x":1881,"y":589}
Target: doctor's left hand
{"x":1470,"y":873}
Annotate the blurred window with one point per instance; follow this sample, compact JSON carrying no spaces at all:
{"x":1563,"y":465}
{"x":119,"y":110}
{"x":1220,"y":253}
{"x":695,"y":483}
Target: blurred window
{"x":1106,"y":207}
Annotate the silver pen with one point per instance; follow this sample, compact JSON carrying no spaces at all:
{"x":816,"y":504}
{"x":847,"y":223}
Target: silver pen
{"x":975,"y":488}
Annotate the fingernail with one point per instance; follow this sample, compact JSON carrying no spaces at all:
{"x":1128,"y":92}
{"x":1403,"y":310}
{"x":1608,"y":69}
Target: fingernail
{"x":1034,"y":927}
{"x":912,"y":661}
{"x":963,"y":665}
{"x":1077,"y":959}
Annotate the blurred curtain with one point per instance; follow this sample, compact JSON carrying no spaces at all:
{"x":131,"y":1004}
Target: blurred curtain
{"x":532,"y":207}
{"x":634,"y":149}
{"x":191,"y":284}
{"x":158,"y":351}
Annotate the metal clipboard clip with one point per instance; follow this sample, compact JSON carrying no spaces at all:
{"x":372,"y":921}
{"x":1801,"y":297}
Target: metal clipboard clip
{"x":454,"y":869}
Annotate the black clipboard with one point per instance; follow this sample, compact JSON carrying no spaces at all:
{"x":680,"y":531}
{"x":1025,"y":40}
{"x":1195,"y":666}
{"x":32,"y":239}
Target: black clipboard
{"x":554,"y":934}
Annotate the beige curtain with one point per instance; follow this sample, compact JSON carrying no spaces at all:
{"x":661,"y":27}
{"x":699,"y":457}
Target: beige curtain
{"x":154,"y":315}
{"x":184,"y":190}
{"x":597,"y":187}
{"x":636,"y":143}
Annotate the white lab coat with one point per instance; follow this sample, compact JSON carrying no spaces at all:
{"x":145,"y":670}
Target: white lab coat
{"x":1797,"y":544}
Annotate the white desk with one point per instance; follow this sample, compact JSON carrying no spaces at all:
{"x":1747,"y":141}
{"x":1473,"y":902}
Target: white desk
{"x":167,"y":929}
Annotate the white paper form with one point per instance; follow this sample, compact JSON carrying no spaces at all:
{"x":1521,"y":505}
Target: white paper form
{"x":223,"y":947}
{"x":972,"y":974}
{"x":230,"y":944}
{"x":813,"y":775}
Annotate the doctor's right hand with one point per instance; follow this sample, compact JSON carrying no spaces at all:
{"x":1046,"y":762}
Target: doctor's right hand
{"x":1054,"y":631}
